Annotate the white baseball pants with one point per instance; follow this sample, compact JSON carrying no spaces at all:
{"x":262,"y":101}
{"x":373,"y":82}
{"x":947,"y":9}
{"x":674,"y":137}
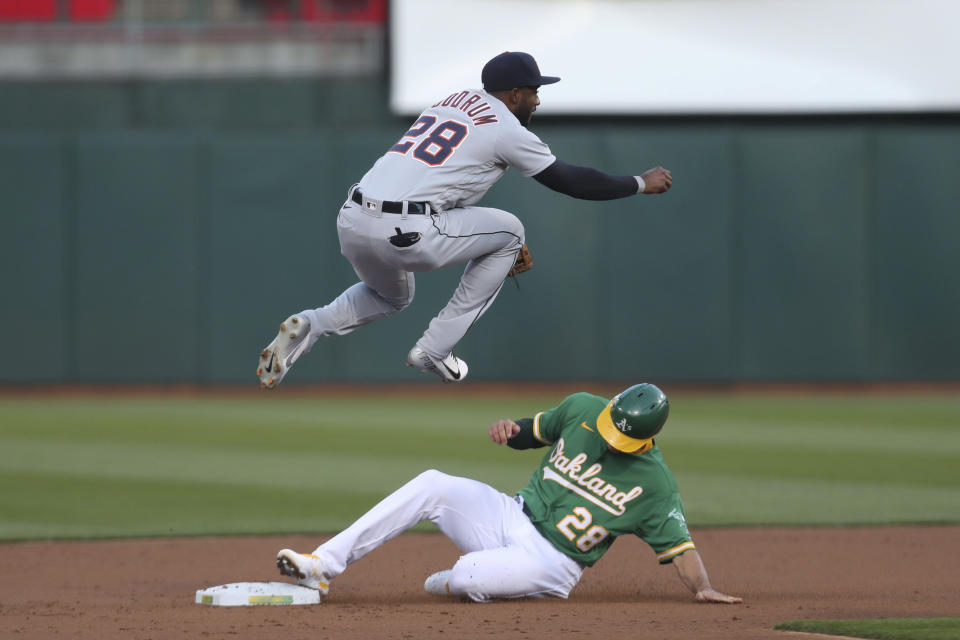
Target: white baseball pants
{"x":488,"y":240}
{"x":505,"y":556}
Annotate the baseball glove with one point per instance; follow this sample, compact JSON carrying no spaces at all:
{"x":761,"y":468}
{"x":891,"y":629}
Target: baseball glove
{"x":523,"y":263}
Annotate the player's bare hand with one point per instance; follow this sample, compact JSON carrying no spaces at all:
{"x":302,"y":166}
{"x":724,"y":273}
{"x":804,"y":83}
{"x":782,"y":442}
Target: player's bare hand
{"x":502,"y":430}
{"x":709,"y":595}
{"x":657,"y":180}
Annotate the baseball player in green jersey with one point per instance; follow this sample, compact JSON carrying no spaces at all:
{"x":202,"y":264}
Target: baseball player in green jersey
{"x":602,"y":477}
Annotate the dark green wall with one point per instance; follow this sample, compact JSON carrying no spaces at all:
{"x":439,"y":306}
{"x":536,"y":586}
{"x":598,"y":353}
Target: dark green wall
{"x":158,"y":232}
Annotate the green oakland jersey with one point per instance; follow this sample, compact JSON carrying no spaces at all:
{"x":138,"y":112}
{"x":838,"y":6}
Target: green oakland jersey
{"x":583,"y":495}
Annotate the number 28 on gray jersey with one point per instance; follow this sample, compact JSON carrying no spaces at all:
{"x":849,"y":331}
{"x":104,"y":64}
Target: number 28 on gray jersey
{"x":454,"y":152}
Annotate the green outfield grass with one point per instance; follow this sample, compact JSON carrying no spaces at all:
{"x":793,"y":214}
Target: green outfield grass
{"x":881,"y":628}
{"x":103,"y":466}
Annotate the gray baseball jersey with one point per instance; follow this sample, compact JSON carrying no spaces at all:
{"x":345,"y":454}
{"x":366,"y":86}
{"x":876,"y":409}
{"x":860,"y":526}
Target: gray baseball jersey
{"x":455,"y":151}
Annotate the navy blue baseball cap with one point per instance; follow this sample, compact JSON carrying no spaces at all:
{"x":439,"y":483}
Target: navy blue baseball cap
{"x":513,"y":69}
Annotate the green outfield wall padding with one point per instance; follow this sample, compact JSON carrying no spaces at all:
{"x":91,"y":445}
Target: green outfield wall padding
{"x":915,"y":238}
{"x":35,"y":303}
{"x":137,"y":269}
{"x":81,"y":106}
{"x":354,"y":102}
{"x":804,"y":274}
{"x":560,"y":296}
{"x":666,"y":277}
{"x":269,"y":252}
{"x":160,"y":231}
{"x":228,"y":105}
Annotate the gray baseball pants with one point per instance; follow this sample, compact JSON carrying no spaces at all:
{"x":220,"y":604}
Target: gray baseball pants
{"x":488,"y":240}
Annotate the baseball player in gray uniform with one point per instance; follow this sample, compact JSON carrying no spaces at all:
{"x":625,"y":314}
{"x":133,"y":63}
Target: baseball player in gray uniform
{"x":415,"y":210}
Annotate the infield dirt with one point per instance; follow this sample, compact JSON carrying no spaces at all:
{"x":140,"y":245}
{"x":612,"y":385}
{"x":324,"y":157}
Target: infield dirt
{"x":114,"y":589}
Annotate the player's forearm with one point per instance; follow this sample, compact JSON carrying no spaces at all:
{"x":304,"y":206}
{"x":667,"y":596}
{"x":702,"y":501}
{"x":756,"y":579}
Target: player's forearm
{"x":524,"y":439}
{"x":586,"y":183}
{"x":692,"y":572}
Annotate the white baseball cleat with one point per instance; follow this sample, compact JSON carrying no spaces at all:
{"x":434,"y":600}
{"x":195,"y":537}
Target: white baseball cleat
{"x":291,"y":342}
{"x":306,"y":568}
{"x":449,"y":369}
{"x":437,"y":584}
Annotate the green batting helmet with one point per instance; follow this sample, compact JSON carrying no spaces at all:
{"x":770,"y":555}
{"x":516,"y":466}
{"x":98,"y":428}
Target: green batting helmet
{"x":633,"y":417}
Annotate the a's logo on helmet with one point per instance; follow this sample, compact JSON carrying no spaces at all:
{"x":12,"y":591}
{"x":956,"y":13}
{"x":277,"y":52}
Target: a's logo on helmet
{"x":622,"y":425}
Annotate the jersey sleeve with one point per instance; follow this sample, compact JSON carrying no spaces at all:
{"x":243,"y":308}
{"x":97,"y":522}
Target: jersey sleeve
{"x":549,"y":424}
{"x":522,"y":149}
{"x":665,"y":530}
